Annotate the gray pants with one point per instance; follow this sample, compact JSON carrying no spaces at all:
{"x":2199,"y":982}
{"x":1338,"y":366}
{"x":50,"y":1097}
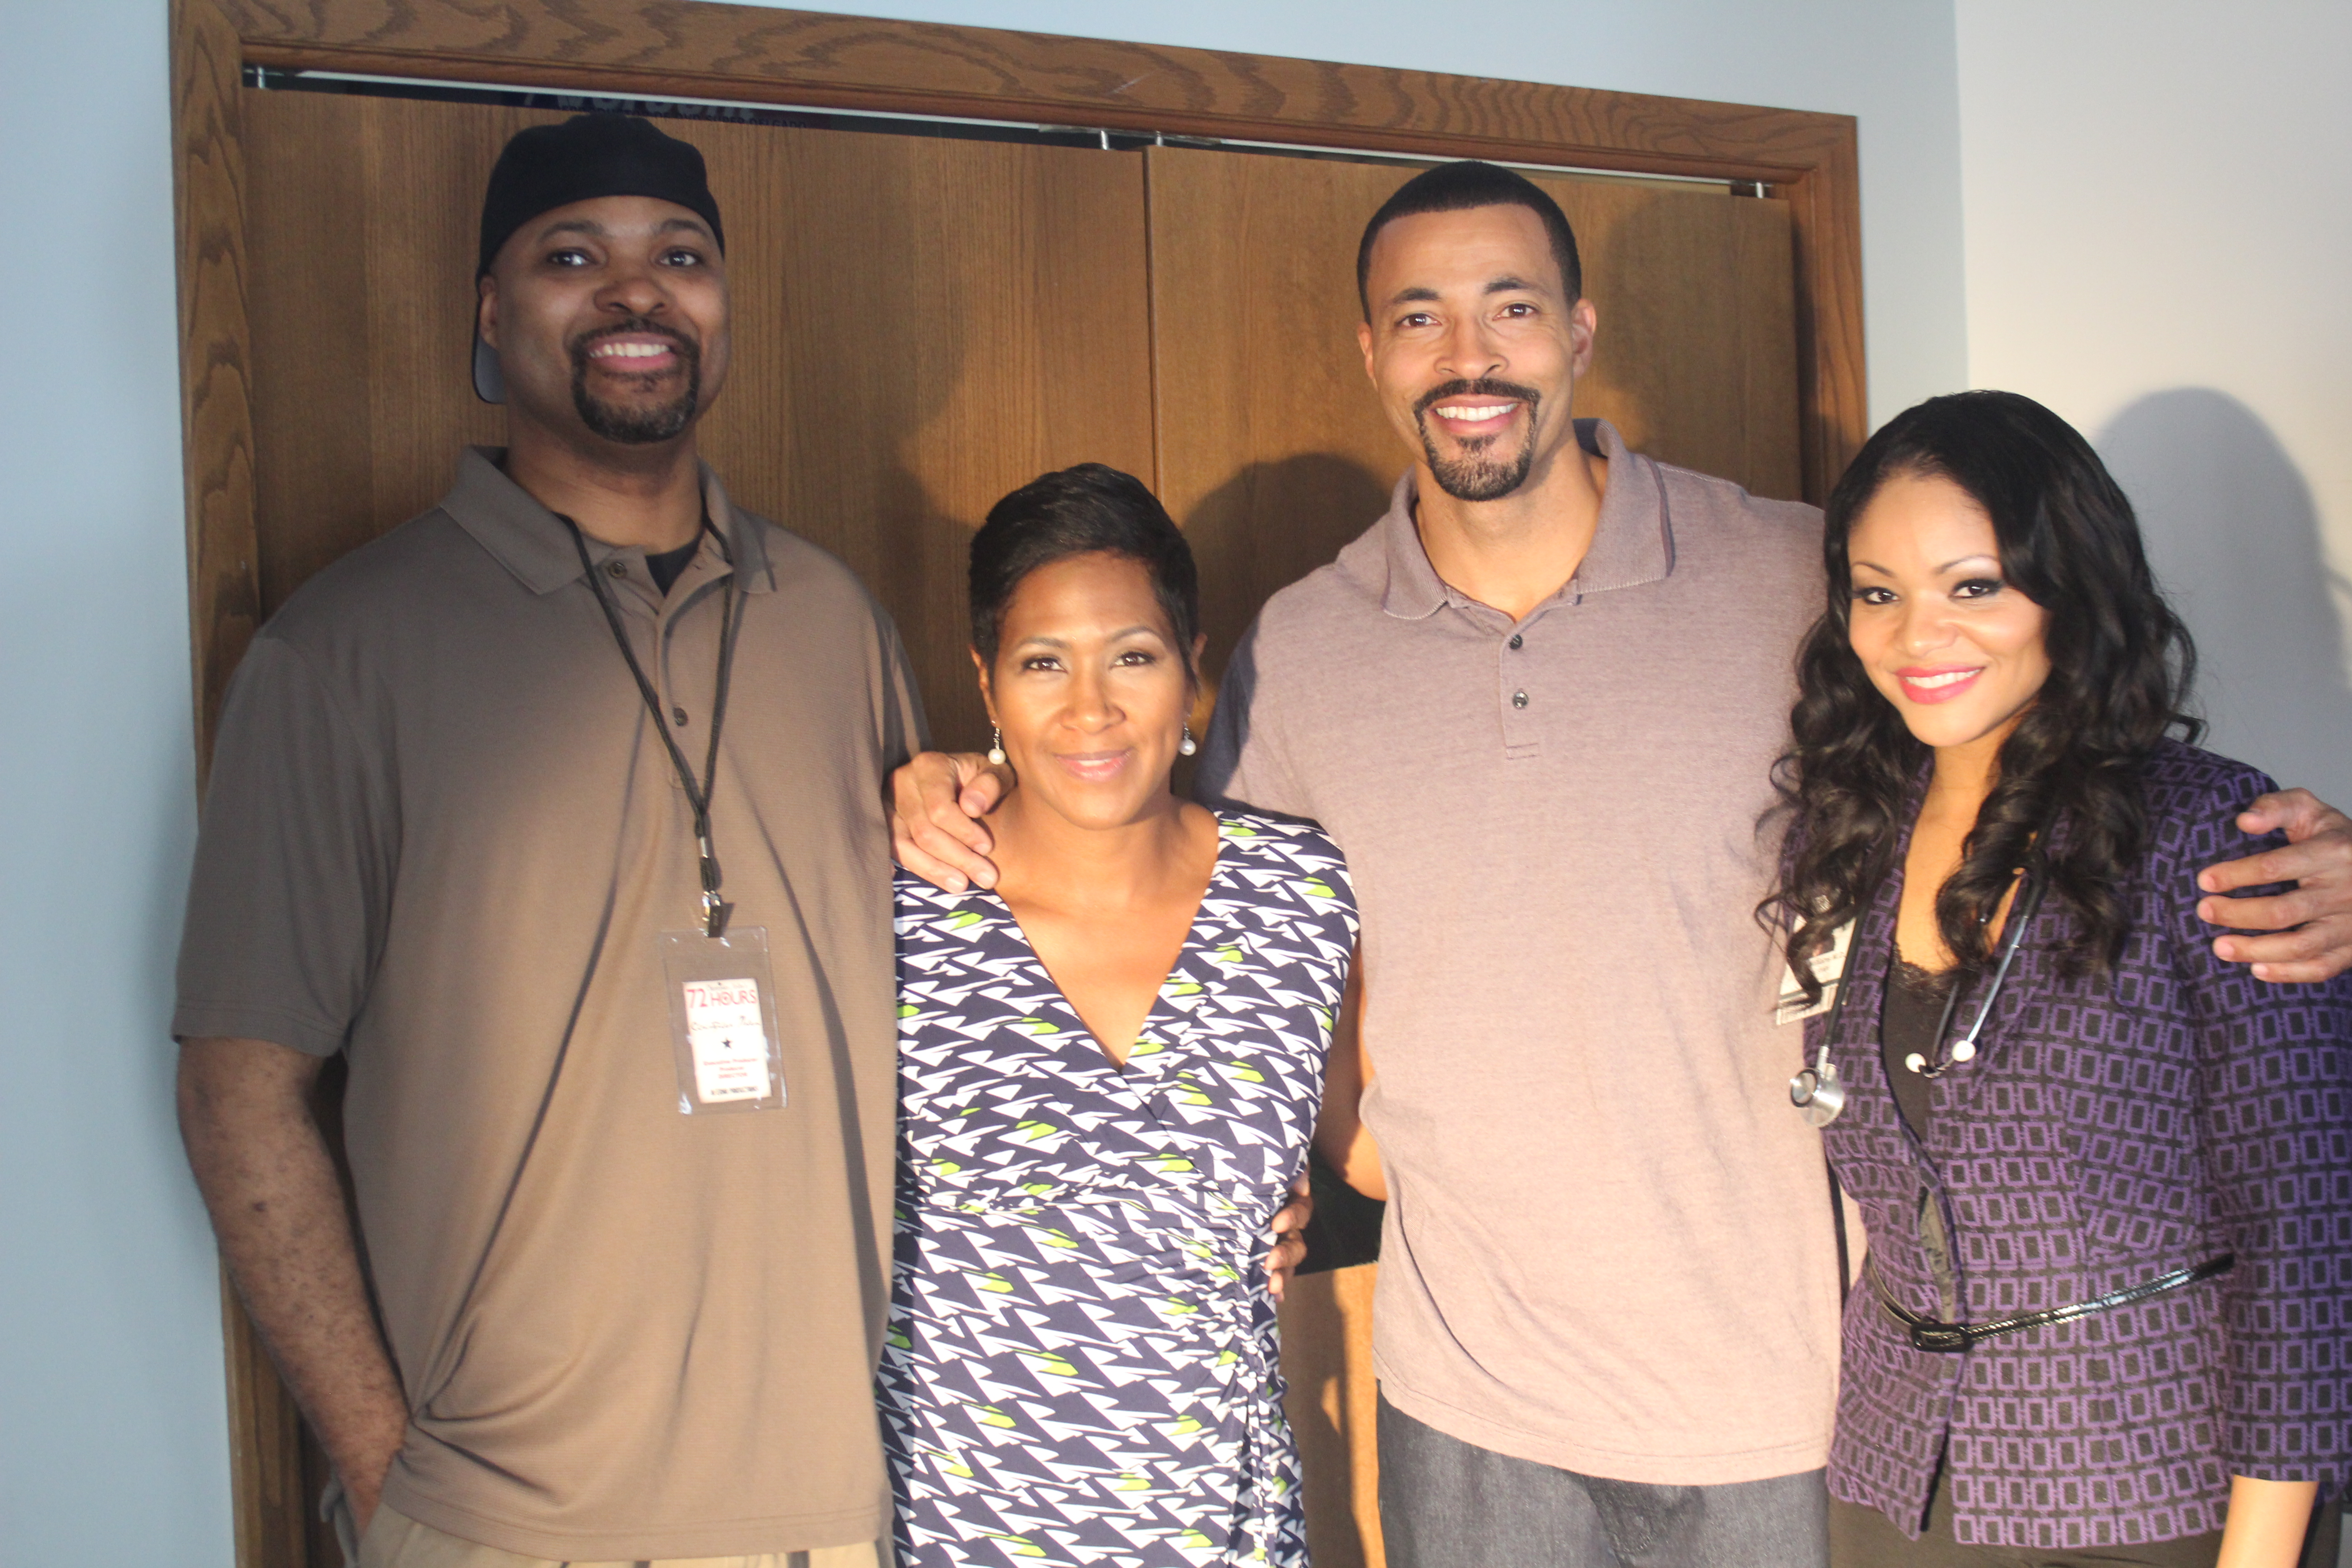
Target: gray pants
{"x":1446,"y":1503}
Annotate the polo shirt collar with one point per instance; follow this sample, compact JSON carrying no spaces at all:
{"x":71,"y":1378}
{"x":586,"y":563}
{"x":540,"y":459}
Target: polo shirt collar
{"x":1632,"y":544}
{"x":531,"y":542}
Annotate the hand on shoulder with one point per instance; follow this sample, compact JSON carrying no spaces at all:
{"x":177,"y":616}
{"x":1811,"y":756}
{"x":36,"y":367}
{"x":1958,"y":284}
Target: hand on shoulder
{"x":936,"y":802}
{"x":2305,"y":935}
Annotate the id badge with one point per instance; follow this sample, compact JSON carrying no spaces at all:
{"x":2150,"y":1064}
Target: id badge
{"x":722,"y":1021}
{"x":1829,"y":968}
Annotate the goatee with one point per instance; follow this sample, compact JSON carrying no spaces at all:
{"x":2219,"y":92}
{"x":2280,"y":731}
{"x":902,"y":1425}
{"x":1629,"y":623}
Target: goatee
{"x":1479,"y":473}
{"x":631,"y":425}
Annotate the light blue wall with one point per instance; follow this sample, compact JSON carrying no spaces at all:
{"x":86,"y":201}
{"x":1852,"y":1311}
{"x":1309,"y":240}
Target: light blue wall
{"x":112,"y":1441}
{"x":112,"y":1446}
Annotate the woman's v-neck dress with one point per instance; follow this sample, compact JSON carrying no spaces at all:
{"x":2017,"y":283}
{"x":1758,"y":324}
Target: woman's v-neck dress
{"x":1080,"y":1364}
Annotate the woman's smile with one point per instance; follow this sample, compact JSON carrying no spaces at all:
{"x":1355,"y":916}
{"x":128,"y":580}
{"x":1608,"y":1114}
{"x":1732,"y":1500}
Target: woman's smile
{"x":1095,"y":767}
{"x":1938,"y":684}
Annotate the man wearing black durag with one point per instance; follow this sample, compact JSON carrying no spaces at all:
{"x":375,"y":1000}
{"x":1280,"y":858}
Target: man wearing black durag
{"x":557,"y":811}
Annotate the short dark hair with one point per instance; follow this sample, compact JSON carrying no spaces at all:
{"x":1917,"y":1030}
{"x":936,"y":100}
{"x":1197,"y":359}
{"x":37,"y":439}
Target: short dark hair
{"x":1458,"y":187}
{"x":1090,"y":508}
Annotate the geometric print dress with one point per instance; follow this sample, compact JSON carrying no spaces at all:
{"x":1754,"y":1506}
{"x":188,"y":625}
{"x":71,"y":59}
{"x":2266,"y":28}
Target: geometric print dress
{"x":1080,"y":1365}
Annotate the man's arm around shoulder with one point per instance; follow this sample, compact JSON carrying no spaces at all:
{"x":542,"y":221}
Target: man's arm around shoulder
{"x":2308,"y":931}
{"x":278,"y":1209}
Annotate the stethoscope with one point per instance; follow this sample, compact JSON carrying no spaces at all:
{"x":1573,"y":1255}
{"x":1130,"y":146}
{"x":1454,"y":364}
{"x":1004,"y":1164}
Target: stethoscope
{"x":1819,"y":1094}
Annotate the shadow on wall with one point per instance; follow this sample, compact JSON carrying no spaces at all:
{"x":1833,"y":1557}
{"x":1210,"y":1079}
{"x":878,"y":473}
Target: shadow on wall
{"x":2233,"y":533}
{"x":1262,"y":529}
{"x":1267,"y":526}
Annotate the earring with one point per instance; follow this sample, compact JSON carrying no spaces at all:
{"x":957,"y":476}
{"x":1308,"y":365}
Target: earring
{"x":1187,"y":746}
{"x":996,"y":745}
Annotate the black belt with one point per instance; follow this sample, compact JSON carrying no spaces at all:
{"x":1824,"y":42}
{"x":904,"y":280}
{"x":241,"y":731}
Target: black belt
{"x":1928,"y":1334}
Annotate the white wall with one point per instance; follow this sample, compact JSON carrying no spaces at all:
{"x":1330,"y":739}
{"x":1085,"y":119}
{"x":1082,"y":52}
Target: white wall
{"x":2159,"y":246}
{"x":113,"y":1448}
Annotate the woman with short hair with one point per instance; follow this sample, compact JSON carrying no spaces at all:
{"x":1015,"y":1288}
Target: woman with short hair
{"x":2106,"y":1311}
{"x":1110,"y":1068}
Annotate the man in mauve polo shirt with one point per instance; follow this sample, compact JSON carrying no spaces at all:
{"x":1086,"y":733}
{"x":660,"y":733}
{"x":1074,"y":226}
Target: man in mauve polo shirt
{"x":1536,"y":706}
{"x":445,"y":838}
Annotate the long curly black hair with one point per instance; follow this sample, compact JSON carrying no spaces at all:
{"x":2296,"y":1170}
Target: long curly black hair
{"x":2067,"y":789}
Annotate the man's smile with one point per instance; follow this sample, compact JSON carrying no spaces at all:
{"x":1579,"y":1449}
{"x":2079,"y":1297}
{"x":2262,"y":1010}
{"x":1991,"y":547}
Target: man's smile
{"x":635,"y":353}
{"x":1474,"y":412}
{"x":620,"y":370}
{"x":1474,"y":418}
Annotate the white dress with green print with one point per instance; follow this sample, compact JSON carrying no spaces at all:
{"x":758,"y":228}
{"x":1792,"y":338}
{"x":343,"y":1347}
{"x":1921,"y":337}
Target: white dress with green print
{"x":1081,"y":1364}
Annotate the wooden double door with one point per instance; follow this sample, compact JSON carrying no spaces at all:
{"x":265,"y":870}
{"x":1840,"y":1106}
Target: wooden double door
{"x":923,"y":323}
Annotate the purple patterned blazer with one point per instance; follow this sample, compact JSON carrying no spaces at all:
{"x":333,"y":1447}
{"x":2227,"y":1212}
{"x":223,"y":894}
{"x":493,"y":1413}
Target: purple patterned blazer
{"x":2108,"y":1132}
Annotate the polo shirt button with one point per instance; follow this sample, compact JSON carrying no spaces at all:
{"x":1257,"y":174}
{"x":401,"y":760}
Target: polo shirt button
{"x":678,"y":717}
{"x":617,"y":568}
{"x":1516,"y":640}
{"x":1518,"y":698}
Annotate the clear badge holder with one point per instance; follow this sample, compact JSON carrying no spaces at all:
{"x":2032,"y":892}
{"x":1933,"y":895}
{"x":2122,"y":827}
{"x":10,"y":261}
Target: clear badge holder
{"x":722,"y":1021}
{"x":1829,"y":968}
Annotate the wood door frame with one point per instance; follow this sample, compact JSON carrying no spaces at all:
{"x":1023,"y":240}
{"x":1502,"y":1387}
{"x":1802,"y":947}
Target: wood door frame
{"x":685,"y":48}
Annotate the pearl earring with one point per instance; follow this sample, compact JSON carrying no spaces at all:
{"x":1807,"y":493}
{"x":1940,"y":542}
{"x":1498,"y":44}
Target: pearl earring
{"x":996,"y":745}
{"x":1187,"y":746}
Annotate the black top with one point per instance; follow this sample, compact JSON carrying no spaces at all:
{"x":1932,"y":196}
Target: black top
{"x":1908,"y":1021}
{"x":666,"y":567}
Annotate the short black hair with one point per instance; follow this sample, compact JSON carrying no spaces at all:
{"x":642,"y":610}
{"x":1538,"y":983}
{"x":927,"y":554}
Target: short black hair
{"x":1090,"y":508}
{"x":1458,"y":187}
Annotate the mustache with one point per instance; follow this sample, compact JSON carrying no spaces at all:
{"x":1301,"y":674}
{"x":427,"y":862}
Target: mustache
{"x":688,"y":348}
{"x":1485,"y":386}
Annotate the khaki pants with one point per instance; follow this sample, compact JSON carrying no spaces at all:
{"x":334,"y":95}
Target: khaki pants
{"x":394,"y":1541}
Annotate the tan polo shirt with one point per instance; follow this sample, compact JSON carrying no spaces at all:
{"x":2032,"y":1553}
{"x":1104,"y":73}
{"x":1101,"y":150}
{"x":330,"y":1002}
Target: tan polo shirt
{"x":1608,"y":1246}
{"x":441,"y":837}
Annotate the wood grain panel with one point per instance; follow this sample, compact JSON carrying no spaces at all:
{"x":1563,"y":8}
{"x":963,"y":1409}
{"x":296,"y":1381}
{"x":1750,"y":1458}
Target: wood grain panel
{"x":933,"y":322}
{"x":1272,"y":449}
{"x":1695,"y":360}
{"x":363,"y":212}
{"x":1760,"y":276}
{"x":315,"y":441}
{"x":807,"y":58}
{"x":1825,"y":210}
{"x":264,"y":1432}
{"x":273,"y":1499}
{"x":361,"y":318}
{"x":216,"y":351}
{"x":818,"y":58}
{"x":1326,"y":1360}
{"x":1273,"y":452}
{"x":920,"y":325}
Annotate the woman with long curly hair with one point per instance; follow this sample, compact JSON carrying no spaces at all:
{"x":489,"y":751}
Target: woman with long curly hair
{"x":2106,"y":1314}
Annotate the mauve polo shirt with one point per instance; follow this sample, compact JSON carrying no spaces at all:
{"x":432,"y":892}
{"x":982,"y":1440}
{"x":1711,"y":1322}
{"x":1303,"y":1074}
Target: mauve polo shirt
{"x":441,"y":837}
{"x":1608,"y":1245}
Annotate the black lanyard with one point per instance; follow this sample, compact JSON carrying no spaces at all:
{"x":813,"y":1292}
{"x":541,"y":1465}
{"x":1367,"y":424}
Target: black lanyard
{"x":714,"y":912}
